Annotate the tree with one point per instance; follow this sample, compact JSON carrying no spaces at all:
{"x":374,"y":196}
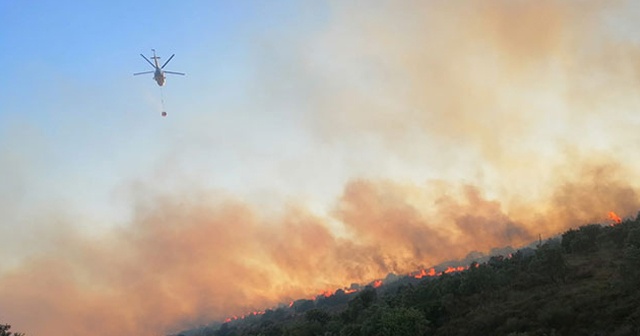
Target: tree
{"x":549,"y":262}
{"x":303,"y":305}
{"x":582,"y":240}
{"x":479,"y":278}
{"x":630,"y":267}
{"x":318,"y":315}
{"x":362,"y":301}
{"x":396,"y":322}
{"x":633,"y":238}
{"x":4,"y":331}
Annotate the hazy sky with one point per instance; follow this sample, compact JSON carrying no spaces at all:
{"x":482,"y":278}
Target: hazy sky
{"x":74,"y":117}
{"x":312,"y":144}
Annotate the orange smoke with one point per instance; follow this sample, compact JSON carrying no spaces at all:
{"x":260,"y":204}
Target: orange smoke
{"x":186,"y":262}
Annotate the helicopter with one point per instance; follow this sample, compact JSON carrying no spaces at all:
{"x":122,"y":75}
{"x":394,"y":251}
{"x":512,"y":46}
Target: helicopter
{"x":158,"y":73}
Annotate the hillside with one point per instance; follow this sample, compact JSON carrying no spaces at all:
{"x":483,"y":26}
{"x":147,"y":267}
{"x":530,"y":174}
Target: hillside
{"x":584,"y":283}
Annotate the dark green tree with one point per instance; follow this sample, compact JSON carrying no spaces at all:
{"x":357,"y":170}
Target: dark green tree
{"x":396,"y":322}
{"x":361,"y":302}
{"x":582,"y":240}
{"x":317,"y":315}
{"x":4,"y":331}
{"x":303,"y":305}
{"x":550,"y":263}
{"x":630,"y":267}
{"x":633,"y":238}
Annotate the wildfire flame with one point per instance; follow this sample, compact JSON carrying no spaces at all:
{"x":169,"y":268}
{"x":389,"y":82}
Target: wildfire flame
{"x":243,"y":316}
{"x":455,"y":269}
{"x":431,"y":272}
{"x":614,"y":217}
{"x":326,"y":293}
{"x":424,"y":273}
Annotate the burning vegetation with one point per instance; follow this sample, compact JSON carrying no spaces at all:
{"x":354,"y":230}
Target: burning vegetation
{"x":171,"y":267}
{"x":615,"y":218}
{"x":584,"y":282}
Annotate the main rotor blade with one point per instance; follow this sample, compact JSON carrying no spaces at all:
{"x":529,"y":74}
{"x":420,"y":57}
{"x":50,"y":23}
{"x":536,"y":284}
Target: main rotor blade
{"x":143,"y":73}
{"x":148,"y":61}
{"x":165,"y":63}
{"x":175,"y":73}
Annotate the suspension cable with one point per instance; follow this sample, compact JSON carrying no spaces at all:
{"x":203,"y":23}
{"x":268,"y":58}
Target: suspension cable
{"x":164,"y":113}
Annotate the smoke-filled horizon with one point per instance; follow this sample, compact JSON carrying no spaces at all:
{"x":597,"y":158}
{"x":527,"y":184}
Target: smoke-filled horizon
{"x":378,"y":139}
{"x":185,"y":261}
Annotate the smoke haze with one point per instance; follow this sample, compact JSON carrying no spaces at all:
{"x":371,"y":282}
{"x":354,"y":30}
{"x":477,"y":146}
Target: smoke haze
{"x":454,"y":126}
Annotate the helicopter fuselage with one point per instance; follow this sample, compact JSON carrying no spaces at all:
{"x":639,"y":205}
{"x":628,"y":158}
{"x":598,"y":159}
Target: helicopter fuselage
{"x":159,"y":77}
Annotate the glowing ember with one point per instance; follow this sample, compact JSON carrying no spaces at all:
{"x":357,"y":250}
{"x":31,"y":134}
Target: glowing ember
{"x":377,"y":283}
{"x":349,"y":291}
{"x":614,"y":217}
